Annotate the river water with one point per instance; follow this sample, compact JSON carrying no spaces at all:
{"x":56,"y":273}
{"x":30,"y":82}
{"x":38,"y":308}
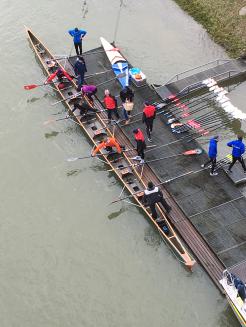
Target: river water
{"x":67,"y":258}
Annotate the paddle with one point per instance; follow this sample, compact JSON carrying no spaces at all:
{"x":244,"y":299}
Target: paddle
{"x":101,"y":154}
{"x":33,"y":86}
{"x":142,"y":191}
{"x":112,"y":79}
{"x":186,"y":153}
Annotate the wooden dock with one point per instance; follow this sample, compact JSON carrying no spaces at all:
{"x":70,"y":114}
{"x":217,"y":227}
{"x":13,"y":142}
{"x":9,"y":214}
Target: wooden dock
{"x":207,"y":212}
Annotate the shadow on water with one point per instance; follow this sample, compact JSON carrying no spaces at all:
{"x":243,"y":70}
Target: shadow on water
{"x":50,"y":135}
{"x":116,"y":214}
{"x":228,"y":319}
{"x":73,"y":172}
{"x":152,"y":238}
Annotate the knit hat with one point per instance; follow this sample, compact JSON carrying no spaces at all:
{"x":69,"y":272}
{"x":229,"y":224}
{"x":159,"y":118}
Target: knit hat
{"x":150,"y":186}
{"x":106,"y":92}
{"x":135,"y":131}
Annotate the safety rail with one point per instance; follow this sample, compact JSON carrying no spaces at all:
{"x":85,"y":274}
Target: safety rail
{"x":213,"y":64}
{"x":199,"y":85}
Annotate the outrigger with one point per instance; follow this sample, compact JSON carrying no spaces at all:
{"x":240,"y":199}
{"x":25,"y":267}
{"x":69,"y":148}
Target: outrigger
{"x":130,"y":176}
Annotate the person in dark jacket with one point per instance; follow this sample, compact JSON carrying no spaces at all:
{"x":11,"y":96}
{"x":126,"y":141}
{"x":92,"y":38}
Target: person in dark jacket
{"x":77,"y":39}
{"x":212,"y":153}
{"x":80,"y":69}
{"x":141,"y":145}
{"x":126,"y":94}
{"x":149,"y":113}
{"x":153,"y":195}
{"x":111,"y":105}
{"x":238,"y":149}
{"x":83,"y":107}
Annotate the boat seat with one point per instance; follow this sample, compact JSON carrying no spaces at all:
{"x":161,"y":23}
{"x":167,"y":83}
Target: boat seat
{"x":125,"y":171}
{"x":97,"y":132}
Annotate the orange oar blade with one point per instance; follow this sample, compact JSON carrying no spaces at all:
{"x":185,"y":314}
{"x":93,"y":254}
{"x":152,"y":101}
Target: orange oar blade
{"x":30,"y":87}
{"x":190,"y":152}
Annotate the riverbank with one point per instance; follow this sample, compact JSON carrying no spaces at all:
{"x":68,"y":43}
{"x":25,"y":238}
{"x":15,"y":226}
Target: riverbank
{"x":222,"y":21}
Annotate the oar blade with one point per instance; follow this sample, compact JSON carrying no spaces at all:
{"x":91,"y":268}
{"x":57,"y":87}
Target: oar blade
{"x":192,"y":152}
{"x":72,"y":159}
{"x":30,"y":87}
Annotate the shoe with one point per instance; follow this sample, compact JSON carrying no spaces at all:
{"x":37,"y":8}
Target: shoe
{"x":136,"y":158}
{"x":150,"y":140}
{"x":159,"y":219}
{"x":117,"y":121}
{"x":213,"y":174}
{"x":141,"y":162}
{"x":202,"y":166}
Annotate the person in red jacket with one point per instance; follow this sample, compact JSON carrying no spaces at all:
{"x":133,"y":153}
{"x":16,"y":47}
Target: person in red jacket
{"x":111,"y":105}
{"x":60,"y":74}
{"x":149,"y":113}
{"x":107,"y":143}
{"x":141,"y":146}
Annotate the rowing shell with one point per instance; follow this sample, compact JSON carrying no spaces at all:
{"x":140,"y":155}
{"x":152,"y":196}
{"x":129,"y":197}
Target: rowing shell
{"x":130,"y":177}
{"x":117,"y":61}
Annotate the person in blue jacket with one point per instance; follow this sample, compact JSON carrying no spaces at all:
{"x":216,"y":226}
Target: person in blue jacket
{"x":77,"y":39}
{"x":80,"y":69}
{"x":238,"y":149}
{"x":212,"y":153}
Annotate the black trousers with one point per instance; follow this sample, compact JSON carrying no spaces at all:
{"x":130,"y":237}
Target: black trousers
{"x":78,"y":48}
{"x":153,"y":209}
{"x":213,"y":162}
{"x":234,"y":160}
{"x":113,"y":111}
{"x":149,"y":126}
{"x":140,"y":149}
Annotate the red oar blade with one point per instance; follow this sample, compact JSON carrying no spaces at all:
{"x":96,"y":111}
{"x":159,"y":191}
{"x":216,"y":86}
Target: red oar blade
{"x":192,"y":152}
{"x":114,"y":49}
{"x":30,"y":87}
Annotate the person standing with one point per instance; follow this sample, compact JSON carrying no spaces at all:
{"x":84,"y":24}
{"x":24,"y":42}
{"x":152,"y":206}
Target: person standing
{"x":238,"y":149}
{"x":127,"y":96}
{"x":212,"y":153}
{"x":111,"y":105}
{"x":149,"y":113}
{"x":141,"y":145}
{"x":77,"y":39}
{"x":153,"y":195}
{"x":80,"y":69}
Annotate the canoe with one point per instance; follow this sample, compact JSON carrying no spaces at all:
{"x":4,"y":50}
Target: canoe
{"x":122,"y":166}
{"x":235,"y":302}
{"x":117,"y":61}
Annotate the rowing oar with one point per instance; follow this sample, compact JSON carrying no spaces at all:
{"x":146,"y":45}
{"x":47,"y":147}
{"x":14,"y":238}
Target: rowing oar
{"x":76,"y":95}
{"x":141,"y":191}
{"x":186,"y":153}
{"x":33,"y":86}
{"x":100,"y":154}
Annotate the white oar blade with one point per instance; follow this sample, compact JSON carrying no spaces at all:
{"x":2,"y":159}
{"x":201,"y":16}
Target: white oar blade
{"x":72,"y":159}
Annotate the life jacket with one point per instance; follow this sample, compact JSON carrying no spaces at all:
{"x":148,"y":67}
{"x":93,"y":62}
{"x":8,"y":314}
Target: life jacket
{"x":111,"y":142}
{"x":109,"y":102}
{"x":139,"y":136}
{"x":149,"y":111}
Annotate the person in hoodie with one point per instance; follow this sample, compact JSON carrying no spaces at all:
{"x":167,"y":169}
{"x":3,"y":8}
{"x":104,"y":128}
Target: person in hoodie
{"x":238,"y":149}
{"x":153,"y":195}
{"x":77,"y":39}
{"x":89,"y":91}
{"x":212,"y":153}
{"x":80,"y":70}
{"x":141,"y":145}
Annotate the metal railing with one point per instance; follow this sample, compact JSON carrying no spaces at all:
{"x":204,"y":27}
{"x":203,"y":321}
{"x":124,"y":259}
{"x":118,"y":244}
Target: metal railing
{"x":199,"y":85}
{"x":213,"y":64}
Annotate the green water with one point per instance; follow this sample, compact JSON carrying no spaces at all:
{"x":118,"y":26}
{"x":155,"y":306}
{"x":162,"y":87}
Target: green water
{"x":67,"y":258}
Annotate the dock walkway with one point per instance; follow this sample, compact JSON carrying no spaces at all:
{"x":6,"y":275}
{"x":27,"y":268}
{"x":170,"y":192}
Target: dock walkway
{"x":209,"y":213}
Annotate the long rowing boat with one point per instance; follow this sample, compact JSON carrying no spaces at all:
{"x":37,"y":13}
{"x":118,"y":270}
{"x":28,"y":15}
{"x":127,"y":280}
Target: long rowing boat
{"x":117,"y":61}
{"x":122,"y":166}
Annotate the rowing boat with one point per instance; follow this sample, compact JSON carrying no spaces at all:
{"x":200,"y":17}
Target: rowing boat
{"x":236,"y":302}
{"x":121,"y":164}
{"x":117,"y":61}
